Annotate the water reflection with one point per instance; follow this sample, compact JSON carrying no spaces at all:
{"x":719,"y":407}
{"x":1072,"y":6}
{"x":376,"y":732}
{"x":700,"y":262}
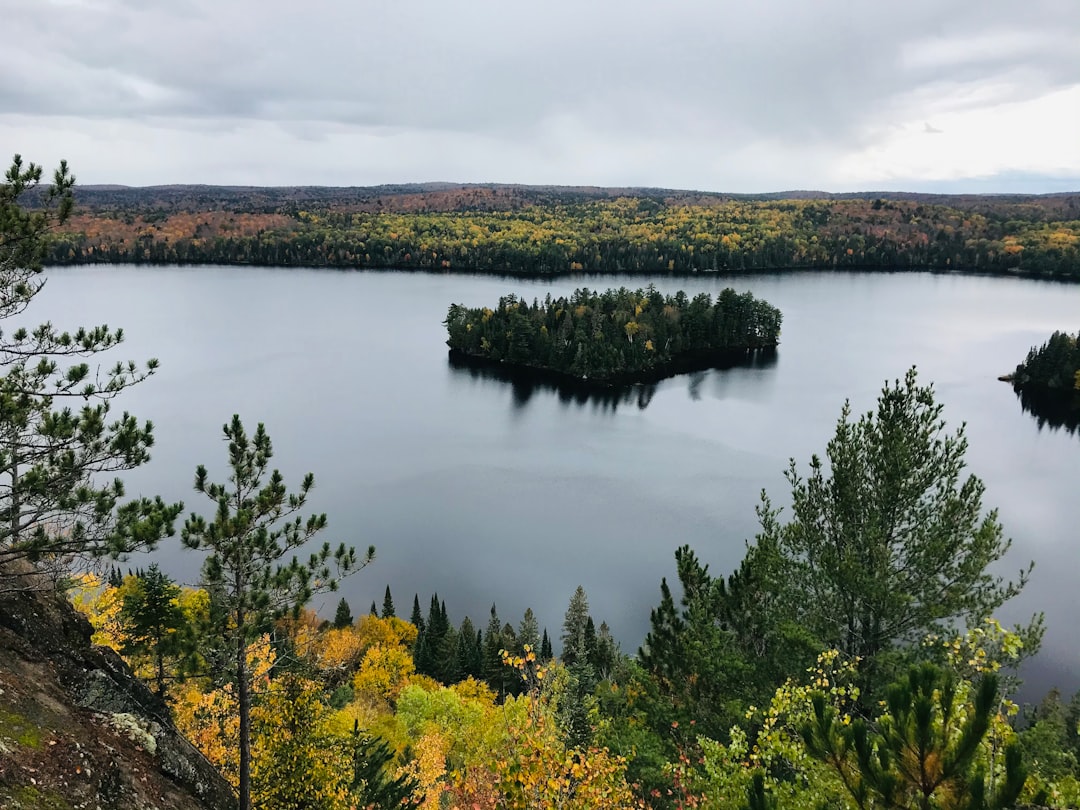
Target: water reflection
{"x":1056,"y":409}
{"x":525,"y":383}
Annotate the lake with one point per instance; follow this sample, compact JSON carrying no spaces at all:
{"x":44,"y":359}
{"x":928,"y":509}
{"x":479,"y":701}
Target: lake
{"x":489,"y":490}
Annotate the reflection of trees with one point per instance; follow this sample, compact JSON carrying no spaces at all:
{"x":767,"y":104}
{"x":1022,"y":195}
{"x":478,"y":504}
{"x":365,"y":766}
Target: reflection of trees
{"x":526,"y":382}
{"x":1058,"y":409}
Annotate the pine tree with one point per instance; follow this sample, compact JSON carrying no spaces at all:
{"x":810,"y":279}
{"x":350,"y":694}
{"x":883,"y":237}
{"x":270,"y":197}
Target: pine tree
{"x":887,"y":542}
{"x":388,"y":605}
{"x":343,"y":615}
{"x":154,"y":625}
{"x":257,"y":525}
{"x":923,"y":753}
{"x":373,"y":610}
{"x":58,"y":446}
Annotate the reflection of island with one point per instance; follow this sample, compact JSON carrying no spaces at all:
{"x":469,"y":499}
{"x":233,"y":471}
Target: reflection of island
{"x":1058,"y":409}
{"x":616,"y":337}
{"x":1048,"y":382}
{"x":525,"y":382}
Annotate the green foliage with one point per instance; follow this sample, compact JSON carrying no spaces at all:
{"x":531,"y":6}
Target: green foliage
{"x":1055,"y":365}
{"x":256,"y":525}
{"x":153,"y":625}
{"x":887,"y":542}
{"x":616,"y":335}
{"x":343,"y":614}
{"x":373,"y":784}
{"x":923,"y":751}
{"x":726,"y":646}
{"x":58,"y":446}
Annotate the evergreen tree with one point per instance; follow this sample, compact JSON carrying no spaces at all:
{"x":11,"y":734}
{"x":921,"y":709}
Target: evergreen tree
{"x":343,"y":615}
{"x":388,"y":605}
{"x":58,"y":445}
{"x":154,"y":625}
{"x":574,"y":624}
{"x":468,"y":658}
{"x":495,"y":672}
{"x":923,"y":752}
{"x":256,"y":525}
{"x":417,"y":619}
{"x":546,"y":653}
{"x":373,"y":610}
{"x":529,"y":631}
{"x":887,"y":542}
{"x":373,"y":783}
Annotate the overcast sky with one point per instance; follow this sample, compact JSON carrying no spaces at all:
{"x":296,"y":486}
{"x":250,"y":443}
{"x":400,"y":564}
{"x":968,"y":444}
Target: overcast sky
{"x":756,"y":95}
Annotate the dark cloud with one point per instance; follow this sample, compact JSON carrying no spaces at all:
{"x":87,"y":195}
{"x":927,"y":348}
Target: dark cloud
{"x":535,"y":87}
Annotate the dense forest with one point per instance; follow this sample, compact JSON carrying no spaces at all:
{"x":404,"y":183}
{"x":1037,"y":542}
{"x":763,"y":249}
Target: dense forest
{"x":1054,"y":366}
{"x":850,"y":661}
{"x":1048,"y":381}
{"x":546,"y":231}
{"x":618,"y":335}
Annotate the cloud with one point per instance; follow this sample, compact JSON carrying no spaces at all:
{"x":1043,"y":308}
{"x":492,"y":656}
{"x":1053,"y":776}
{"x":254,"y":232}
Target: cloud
{"x":679,"y":93}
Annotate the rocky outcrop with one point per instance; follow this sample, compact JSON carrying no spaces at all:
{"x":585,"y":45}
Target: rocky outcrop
{"x":78,"y":730}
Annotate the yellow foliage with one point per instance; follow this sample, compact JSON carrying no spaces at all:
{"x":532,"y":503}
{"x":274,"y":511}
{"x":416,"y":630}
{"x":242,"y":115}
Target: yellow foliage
{"x":100,"y":603}
{"x":384,"y":672}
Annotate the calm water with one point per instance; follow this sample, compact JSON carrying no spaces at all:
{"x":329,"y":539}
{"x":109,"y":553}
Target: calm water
{"x":486,"y":490}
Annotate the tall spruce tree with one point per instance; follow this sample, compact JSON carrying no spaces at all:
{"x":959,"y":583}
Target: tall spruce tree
{"x":417,"y":618}
{"x":575,"y":625}
{"x":343,"y":615}
{"x":388,"y":605}
{"x":59,"y":447}
{"x":255,"y":528}
{"x":529,"y":631}
{"x":154,"y":626}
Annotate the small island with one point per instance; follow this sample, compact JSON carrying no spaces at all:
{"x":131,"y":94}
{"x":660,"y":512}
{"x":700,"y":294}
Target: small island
{"x":1048,"y":381}
{"x":1054,"y":366}
{"x":618,"y":336}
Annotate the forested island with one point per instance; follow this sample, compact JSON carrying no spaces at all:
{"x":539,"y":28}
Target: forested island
{"x":535,"y":230}
{"x":616,"y":336}
{"x":1048,"y":381}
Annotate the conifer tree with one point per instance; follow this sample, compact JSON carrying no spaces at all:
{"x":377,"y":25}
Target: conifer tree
{"x":417,"y":618}
{"x":888,"y":542}
{"x":529,"y":631}
{"x":343,"y":615}
{"x":923,"y":752}
{"x":373,"y":611}
{"x":154,"y":625}
{"x":255,"y":528}
{"x":574,"y":626}
{"x":546,"y":653}
{"x":59,"y":447}
{"x":388,"y":605}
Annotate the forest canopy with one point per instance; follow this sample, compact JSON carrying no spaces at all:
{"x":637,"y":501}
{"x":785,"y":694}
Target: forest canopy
{"x":618,"y":335}
{"x":549,"y":231}
{"x":1053,"y":366}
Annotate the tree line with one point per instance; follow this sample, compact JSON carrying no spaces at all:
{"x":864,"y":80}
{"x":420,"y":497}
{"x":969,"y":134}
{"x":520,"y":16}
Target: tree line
{"x":642,"y":235}
{"x":618,"y":335}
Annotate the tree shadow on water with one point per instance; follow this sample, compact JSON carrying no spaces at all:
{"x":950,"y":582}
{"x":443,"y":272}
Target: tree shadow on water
{"x":1053,"y":409}
{"x":525,"y":382}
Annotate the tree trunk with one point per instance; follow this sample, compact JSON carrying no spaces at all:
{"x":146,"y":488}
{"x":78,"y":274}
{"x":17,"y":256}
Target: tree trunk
{"x":244,"y":701}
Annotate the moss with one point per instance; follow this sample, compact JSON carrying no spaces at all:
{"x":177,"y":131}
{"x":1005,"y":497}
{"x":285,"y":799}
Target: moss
{"x":27,"y":797}
{"x":17,"y":728}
